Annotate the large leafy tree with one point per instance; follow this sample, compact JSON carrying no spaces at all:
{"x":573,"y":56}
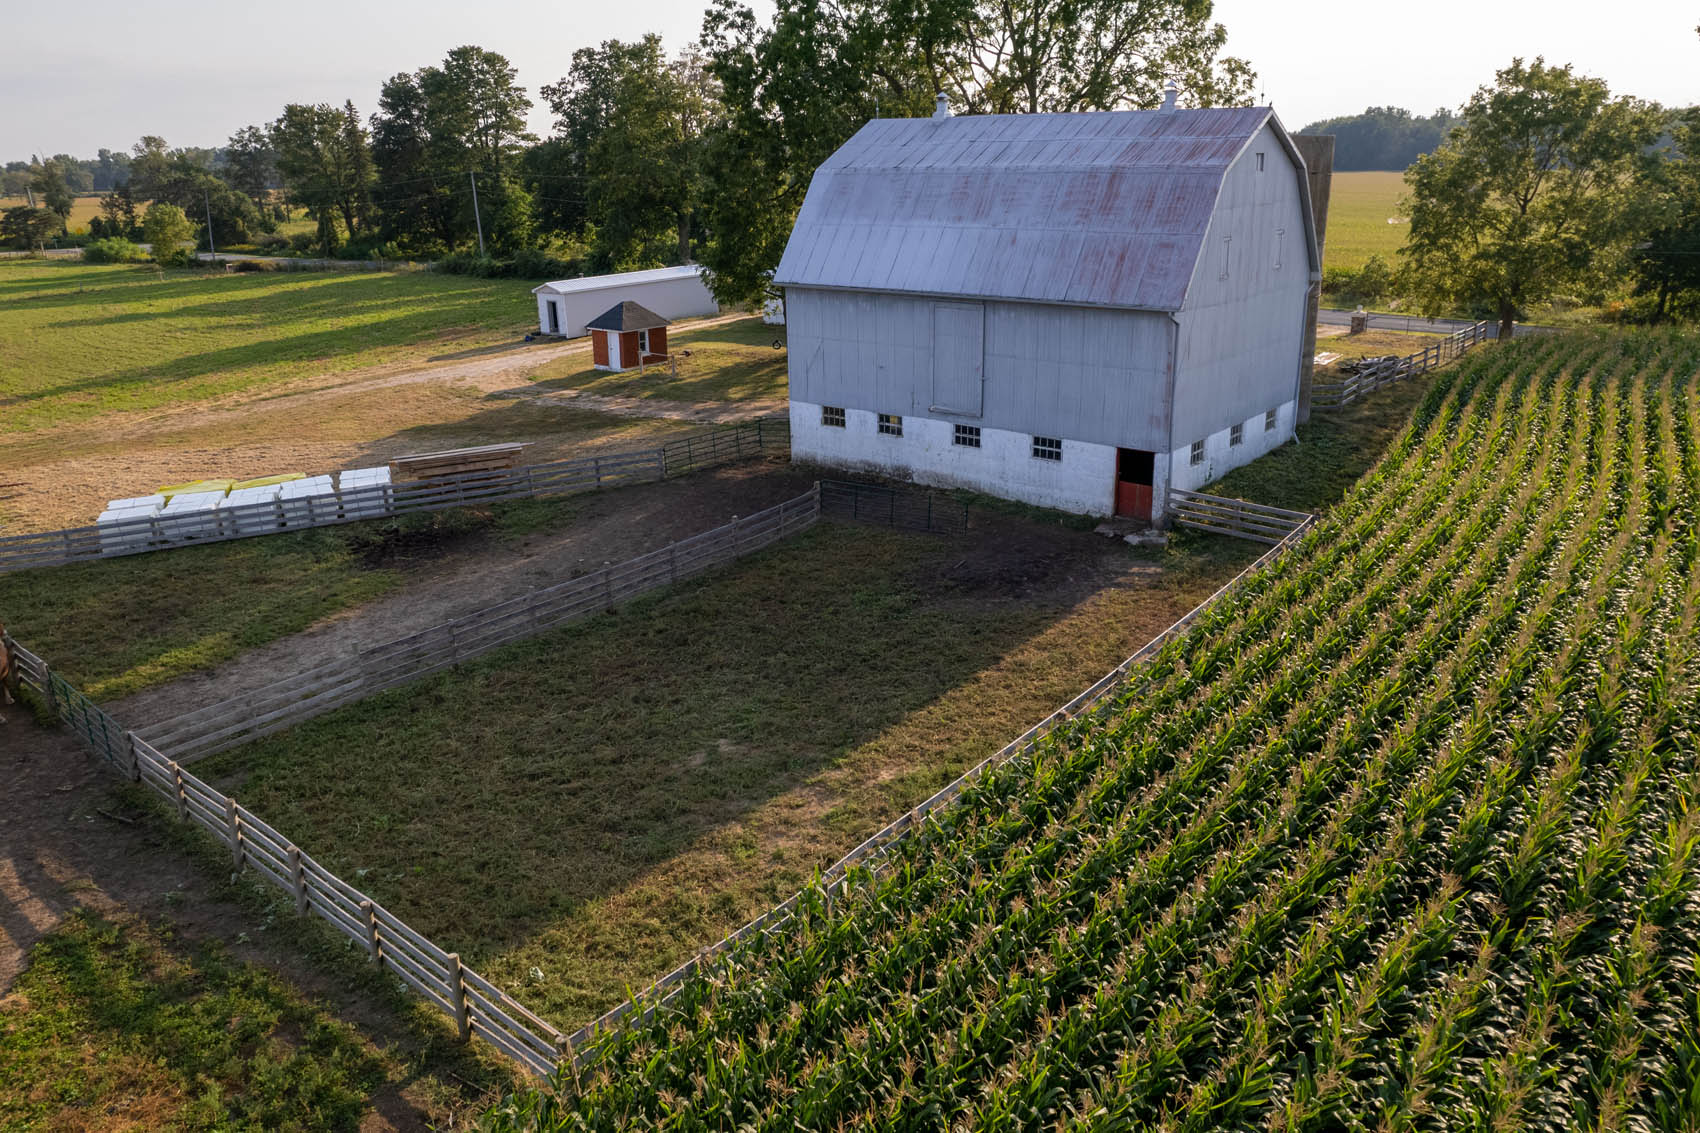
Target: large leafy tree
{"x":167,"y":230}
{"x":1531,"y":193}
{"x":251,"y":164}
{"x":51,"y":191}
{"x":322,"y":154}
{"x":25,"y":227}
{"x":795,"y":88}
{"x":1667,"y":261}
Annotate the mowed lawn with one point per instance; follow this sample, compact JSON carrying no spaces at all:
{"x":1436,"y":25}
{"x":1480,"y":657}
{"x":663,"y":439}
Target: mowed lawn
{"x":577,"y":813}
{"x":736,"y":361}
{"x":1360,"y":208}
{"x":79,"y":340}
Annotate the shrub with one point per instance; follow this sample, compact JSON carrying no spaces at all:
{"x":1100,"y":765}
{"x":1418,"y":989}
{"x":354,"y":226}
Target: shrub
{"x":253,"y":265}
{"x":113,"y":250}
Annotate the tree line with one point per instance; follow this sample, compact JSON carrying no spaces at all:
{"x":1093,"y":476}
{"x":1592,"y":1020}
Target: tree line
{"x":654,"y":157}
{"x":1383,"y":137}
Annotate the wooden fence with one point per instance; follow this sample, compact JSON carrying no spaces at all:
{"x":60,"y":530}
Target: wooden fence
{"x":1338,"y":395}
{"x":582,"y":1043}
{"x":477,"y":1006}
{"x":1242,"y":520}
{"x":230,"y":723}
{"x":566,"y":477}
{"x":911,"y":509}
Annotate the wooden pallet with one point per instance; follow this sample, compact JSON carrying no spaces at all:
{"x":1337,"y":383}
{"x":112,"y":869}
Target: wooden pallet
{"x":458,"y":461}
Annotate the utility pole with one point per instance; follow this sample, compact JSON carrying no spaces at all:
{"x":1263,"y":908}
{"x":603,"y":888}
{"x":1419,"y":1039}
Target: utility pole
{"x":207,"y":200}
{"x":476,"y":219}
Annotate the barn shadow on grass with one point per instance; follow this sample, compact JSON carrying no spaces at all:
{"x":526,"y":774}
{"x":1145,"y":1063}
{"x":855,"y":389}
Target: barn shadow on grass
{"x":499,"y":806}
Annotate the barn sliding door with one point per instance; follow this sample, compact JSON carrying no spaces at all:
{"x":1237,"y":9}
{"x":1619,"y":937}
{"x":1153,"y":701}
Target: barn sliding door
{"x":959,"y":358}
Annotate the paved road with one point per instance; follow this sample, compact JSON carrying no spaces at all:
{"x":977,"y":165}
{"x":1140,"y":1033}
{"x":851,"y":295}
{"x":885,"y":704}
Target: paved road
{"x":1333,"y":316}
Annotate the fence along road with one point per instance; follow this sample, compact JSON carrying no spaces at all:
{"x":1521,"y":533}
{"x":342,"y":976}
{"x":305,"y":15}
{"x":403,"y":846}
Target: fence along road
{"x":475,"y":1004}
{"x":566,"y":477}
{"x":230,"y":723}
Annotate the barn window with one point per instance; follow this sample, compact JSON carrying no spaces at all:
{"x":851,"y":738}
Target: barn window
{"x":1198,"y":452}
{"x":1236,"y":435}
{"x":891,"y":424}
{"x":1280,"y":246}
{"x":1260,"y":163}
{"x":1227,"y":243}
{"x":1269,"y":421}
{"x":832,"y":415}
{"x":1047,"y":448}
{"x":968,"y":436}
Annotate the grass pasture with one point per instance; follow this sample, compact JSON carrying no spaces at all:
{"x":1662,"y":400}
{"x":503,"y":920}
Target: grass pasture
{"x":577,"y":812}
{"x":80,"y":340}
{"x":1360,"y":207}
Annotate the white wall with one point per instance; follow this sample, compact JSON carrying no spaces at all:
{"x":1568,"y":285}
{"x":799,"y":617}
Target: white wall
{"x":686,"y":297}
{"x":1004,"y":465}
{"x":1220,"y":457}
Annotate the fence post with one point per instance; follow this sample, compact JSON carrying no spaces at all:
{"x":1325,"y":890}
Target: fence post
{"x":298,"y":878}
{"x":182,"y":795}
{"x":235,"y":824}
{"x":457,"y":996}
{"x":371,"y":932}
{"x":135,"y":757}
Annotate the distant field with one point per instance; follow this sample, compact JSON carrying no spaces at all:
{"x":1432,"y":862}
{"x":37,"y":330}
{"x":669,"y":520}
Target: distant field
{"x":1358,"y":214}
{"x":78,"y":340}
{"x":82,"y":211}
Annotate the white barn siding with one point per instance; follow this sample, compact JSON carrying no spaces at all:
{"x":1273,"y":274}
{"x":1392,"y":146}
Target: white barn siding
{"x":1241,"y":338}
{"x":1076,"y":373}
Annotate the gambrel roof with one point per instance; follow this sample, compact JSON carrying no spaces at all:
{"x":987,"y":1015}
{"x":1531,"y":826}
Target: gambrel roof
{"x":1105,"y":209}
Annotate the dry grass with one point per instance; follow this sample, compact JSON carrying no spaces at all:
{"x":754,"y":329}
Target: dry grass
{"x":85,"y":208}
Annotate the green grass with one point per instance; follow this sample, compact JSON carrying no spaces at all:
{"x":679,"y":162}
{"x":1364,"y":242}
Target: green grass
{"x":78,"y":340}
{"x":1359,"y":207}
{"x":577,"y":812}
{"x":116,"y":1024}
{"x":733,"y":361}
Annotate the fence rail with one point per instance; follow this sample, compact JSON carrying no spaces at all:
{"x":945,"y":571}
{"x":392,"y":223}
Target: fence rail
{"x":1338,"y":395}
{"x":477,"y":1006}
{"x":565,"y":477}
{"x":911,"y":509}
{"x":1239,"y":518}
{"x":239,"y":720}
{"x":581,"y":1044}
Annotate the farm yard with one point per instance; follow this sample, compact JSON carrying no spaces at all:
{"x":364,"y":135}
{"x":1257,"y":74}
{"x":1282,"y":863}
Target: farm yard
{"x":1407,"y":817}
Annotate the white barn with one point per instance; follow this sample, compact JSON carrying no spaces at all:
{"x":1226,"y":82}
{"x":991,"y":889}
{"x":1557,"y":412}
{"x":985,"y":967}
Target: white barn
{"x":566,"y":305}
{"x":1079,"y":311}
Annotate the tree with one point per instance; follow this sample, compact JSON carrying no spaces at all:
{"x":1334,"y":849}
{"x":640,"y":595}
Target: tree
{"x":51,"y":191}
{"x":251,"y":164}
{"x":149,"y":160}
{"x":167,"y":229}
{"x":796,"y":88}
{"x":1667,"y":262}
{"x":1528,"y":194}
{"x":1383,"y":137}
{"x":323,"y":157}
{"x":119,"y":209}
{"x":25,"y":227}
{"x":110,"y":170}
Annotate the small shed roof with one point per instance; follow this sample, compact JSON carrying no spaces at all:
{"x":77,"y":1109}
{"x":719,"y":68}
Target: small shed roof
{"x":1100,"y":209}
{"x":619,"y":279}
{"x":626,"y":316}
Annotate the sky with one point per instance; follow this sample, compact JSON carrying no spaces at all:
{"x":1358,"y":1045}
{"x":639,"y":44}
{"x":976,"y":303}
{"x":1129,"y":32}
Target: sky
{"x":195,"y":71}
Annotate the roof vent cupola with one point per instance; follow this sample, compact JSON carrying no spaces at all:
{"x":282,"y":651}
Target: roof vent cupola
{"x":1171,"y":92}
{"x":941,"y":106}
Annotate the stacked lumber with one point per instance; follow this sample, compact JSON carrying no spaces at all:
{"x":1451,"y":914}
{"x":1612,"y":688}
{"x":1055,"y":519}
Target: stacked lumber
{"x":458,"y":461}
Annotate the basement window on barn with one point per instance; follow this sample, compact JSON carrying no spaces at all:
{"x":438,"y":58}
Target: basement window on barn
{"x":1236,"y":435}
{"x":891,"y":425}
{"x":1198,"y":452}
{"x":1047,"y":448}
{"x":968,"y":436}
{"x":833,"y":416}
{"x":1269,"y":421}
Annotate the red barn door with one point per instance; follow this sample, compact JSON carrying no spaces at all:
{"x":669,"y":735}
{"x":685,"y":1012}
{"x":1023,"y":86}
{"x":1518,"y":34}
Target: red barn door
{"x":1134,"y":470}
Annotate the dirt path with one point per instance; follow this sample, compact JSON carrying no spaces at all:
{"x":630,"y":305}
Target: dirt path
{"x":607,"y":528}
{"x":68,"y":841}
{"x":715,"y":413}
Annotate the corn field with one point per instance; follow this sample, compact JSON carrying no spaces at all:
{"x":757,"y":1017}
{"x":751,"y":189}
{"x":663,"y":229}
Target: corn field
{"x":1402,"y":836}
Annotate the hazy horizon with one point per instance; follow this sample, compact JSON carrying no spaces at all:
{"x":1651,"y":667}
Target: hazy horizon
{"x":207,"y":72}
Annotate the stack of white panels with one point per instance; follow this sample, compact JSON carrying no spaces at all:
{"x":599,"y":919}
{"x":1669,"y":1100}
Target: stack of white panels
{"x":192,"y":515}
{"x":251,"y":511}
{"x":365,"y":492}
{"x":123,"y":525}
{"x":304,"y":503}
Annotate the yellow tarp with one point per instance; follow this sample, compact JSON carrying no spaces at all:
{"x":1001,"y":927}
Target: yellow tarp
{"x":268,"y":481}
{"x":196,"y":486}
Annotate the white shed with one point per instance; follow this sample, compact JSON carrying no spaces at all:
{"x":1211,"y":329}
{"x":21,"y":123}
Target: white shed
{"x":565,"y":306}
{"x":1074,"y":310}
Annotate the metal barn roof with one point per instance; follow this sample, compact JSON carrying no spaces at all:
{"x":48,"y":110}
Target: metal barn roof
{"x":620,"y":279}
{"x":1099,"y":209}
{"x":627,"y":316}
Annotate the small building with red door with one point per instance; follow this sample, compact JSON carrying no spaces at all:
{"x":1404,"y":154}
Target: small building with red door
{"x":1081,"y":311}
{"x":627,"y":335}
